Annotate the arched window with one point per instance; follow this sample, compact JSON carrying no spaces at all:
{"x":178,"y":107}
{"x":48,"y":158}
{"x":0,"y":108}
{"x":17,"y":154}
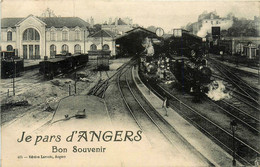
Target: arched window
{"x":65,"y":48}
{"x":9,"y":36}
{"x":9,"y":48}
{"x":31,"y":34}
{"x":52,"y":51}
{"x":77,"y":49}
{"x":64,"y":35}
{"x":77,"y":37}
{"x":105,"y":47}
{"x":93,"y":47}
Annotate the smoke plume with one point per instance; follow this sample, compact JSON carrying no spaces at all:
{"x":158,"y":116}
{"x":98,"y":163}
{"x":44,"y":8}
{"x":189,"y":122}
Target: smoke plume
{"x":217,"y":91}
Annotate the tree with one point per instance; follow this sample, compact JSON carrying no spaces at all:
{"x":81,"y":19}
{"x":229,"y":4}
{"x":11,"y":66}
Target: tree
{"x":242,"y":26}
{"x":152,"y":28}
{"x":97,"y":27}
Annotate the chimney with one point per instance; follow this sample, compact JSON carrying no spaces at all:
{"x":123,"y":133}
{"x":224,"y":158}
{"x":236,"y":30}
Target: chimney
{"x":116,"y":22}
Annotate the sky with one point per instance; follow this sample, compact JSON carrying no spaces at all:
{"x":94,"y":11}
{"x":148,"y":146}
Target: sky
{"x":160,"y":13}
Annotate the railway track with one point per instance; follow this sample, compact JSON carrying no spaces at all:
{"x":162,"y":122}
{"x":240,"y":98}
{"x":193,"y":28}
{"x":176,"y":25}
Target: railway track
{"x":247,"y":120}
{"x":22,"y":84}
{"x":149,"y":120}
{"x":241,"y":65}
{"x":239,"y":107}
{"x":246,"y":154}
{"x":100,"y":88}
{"x":239,"y":98}
{"x":246,"y":89}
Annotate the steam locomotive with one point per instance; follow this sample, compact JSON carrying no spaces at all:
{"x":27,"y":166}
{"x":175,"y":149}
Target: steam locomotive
{"x":187,"y":62}
{"x":192,"y":76}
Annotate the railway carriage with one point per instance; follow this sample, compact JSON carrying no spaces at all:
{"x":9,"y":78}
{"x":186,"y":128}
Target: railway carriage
{"x":11,"y":65}
{"x":62,"y":64}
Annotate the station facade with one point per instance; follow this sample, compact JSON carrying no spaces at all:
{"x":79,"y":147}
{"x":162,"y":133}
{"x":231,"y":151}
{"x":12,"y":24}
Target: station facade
{"x":35,"y":37}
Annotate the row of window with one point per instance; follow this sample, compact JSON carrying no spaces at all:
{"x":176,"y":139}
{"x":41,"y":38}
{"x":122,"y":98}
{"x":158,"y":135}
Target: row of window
{"x":64,"y":48}
{"x":31,"y":34}
{"x":77,"y":48}
{"x":31,"y":51}
{"x":93,"y":47}
{"x":65,"y":35}
{"x":212,"y":22}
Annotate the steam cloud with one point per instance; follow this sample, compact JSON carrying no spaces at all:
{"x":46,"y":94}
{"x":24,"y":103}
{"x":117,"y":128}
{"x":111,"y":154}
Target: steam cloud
{"x":148,"y":45}
{"x":206,"y":28}
{"x":217,"y":91}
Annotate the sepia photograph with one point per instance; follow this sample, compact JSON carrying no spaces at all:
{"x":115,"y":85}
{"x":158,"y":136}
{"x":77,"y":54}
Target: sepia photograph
{"x":130,"y":83}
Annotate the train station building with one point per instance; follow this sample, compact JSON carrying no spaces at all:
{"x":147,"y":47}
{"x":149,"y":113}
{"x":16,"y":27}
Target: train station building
{"x":35,"y":37}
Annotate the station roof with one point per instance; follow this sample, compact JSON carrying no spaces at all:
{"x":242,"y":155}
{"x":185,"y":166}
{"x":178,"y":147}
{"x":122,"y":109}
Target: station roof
{"x":57,"y":22}
{"x":10,"y":22}
{"x":137,"y":29}
{"x":103,"y":33}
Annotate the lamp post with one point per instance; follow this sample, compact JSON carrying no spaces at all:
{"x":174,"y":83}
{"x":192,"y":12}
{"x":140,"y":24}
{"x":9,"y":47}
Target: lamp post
{"x":233,"y":126}
{"x":258,"y":69}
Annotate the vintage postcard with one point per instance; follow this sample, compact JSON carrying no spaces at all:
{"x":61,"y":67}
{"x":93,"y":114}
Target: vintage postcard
{"x":129,"y":83}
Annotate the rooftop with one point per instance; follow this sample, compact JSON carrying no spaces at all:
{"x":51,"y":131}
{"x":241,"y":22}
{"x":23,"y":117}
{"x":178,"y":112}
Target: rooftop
{"x":103,"y":33}
{"x":119,"y":22}
{"x":57,"y":22}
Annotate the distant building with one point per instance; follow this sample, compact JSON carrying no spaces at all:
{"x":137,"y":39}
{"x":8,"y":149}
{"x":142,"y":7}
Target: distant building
{"x":128,"y":20}
{"x":213,"y":20}
{"x":102,"y":40}
{"x":248,"y":46}
{"x":118,"y":27}
{"x":208,"y":20}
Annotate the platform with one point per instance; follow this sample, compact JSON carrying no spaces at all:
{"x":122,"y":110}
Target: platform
{"x":99,"y":151}
{"x":96,"y":115}
{"x":197,"y":139}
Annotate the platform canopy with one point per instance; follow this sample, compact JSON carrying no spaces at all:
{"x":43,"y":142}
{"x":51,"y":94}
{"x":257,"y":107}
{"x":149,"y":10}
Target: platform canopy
{"x":130,"y":43}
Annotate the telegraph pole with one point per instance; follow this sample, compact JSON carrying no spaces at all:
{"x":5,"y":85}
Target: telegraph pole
{"x":14,"y":74}
{"x":75,"y":86}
